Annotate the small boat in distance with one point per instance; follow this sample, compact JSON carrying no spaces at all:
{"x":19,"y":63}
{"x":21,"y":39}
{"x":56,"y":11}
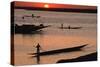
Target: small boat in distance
{"x":69,"y":27}
{"x":25,"y":28}
{"x":32,"y":16}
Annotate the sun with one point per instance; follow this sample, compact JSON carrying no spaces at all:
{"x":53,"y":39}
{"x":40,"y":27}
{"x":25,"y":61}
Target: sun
{"x":46,"y":6}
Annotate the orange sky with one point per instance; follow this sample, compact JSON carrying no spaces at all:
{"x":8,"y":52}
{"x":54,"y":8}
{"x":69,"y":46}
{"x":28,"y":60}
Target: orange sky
{"x":51,"y":5}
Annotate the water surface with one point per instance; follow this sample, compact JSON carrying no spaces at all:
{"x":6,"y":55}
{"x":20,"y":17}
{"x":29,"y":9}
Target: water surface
{"x":52,"y":38}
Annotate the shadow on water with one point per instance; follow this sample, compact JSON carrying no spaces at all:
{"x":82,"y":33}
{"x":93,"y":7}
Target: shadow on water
{"x":40,"y":32}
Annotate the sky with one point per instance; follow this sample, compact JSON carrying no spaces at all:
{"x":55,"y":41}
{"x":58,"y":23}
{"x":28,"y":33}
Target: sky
{"x":51,"y":5}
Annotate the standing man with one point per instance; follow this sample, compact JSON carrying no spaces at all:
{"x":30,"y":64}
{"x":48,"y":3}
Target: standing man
{"x":38,"y":53}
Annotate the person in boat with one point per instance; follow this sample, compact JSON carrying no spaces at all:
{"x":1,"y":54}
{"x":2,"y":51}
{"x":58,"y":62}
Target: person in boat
{"x":35,"y":16}
{"x":23,"y":17}
{"x":69,"y":27}
{"x":38,"y":53}
{"x":61,"y":26}
{"x":32,"y":15}
{"x":41,"y":25}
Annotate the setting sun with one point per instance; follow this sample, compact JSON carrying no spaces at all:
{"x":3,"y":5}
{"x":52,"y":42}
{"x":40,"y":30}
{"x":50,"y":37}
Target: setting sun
{"x":46,"y":6}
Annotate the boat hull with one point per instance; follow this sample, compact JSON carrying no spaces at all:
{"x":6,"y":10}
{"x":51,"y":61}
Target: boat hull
{"x":77,"y":48}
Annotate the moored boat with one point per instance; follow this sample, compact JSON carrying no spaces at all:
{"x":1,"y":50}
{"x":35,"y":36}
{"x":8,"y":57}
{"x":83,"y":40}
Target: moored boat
{"x":28,"y":28}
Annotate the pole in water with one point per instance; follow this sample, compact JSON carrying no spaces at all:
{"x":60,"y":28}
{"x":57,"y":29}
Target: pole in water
{"x":38,"y":53}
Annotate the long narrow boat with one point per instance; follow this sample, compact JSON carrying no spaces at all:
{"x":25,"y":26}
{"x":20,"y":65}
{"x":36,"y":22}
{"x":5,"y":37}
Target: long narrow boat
{"x":70,"y":27}
{"x":51,"y":52}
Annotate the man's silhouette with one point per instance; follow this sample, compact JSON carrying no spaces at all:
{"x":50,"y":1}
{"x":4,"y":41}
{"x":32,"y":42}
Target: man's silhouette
{"x":38,"y":53}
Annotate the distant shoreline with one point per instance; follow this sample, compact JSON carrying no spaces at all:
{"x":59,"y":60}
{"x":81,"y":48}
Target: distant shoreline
{"x":54,"y":7}
{"x":60,"y":9}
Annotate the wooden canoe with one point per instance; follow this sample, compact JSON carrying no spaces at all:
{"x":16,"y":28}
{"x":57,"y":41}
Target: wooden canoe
{"x":51,"y":52}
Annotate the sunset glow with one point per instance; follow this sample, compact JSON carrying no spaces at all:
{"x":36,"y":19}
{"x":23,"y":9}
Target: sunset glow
{"x":46,"y":6}
{"x":52,"y":5}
